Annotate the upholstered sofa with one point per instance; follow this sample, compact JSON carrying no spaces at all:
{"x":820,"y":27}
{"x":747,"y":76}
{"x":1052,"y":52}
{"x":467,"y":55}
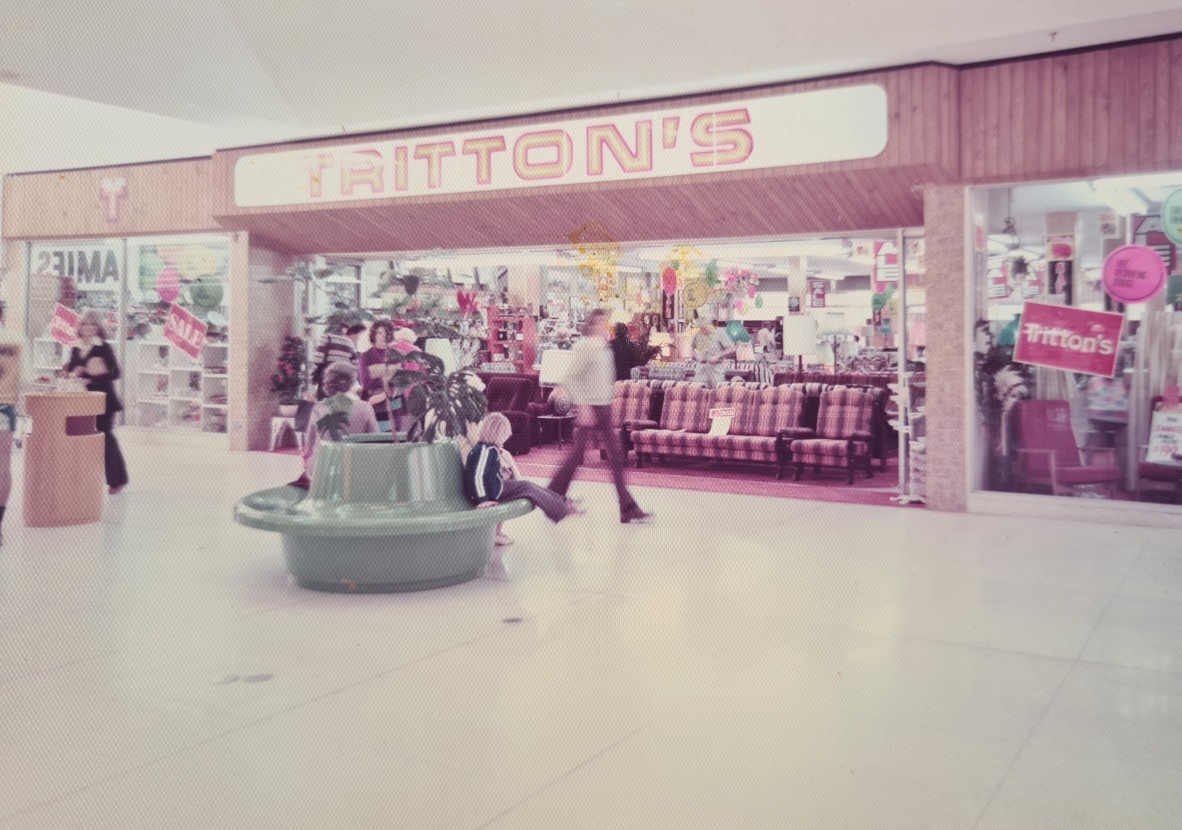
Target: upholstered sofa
{"x":766,"y":421}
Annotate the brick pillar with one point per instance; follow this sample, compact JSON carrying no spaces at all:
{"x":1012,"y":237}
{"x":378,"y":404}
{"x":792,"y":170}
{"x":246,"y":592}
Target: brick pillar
{"x":948,"y":341}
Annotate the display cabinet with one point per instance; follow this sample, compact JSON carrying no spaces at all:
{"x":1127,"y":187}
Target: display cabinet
{"x":168,"y":388}
{"x":512,"y":338}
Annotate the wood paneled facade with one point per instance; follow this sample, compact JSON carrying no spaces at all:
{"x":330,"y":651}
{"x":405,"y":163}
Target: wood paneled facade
{"x":1111,"y":110}
{"x":1082,"y":114}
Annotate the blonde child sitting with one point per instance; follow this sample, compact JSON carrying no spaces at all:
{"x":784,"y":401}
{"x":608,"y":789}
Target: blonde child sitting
{"x":490,"y":475}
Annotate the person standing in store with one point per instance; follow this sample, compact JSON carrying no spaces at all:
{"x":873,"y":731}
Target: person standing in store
{"x":590,"y":381}
{"x":711,"y":347}
{"x":375,"y":370}
{"x":93,"y":360}
{"x":340,"y":344}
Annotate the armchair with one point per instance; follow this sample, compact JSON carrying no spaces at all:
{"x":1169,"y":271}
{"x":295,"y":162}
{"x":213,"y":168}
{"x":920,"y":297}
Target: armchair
{"x":843,"y":435}
{"x":1156,"y":472}
{"x":511,"y":396}
{"x":1047,"y":454}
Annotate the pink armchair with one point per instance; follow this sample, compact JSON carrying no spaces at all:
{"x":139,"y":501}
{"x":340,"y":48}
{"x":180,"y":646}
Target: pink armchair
{"x":1048,"y":455}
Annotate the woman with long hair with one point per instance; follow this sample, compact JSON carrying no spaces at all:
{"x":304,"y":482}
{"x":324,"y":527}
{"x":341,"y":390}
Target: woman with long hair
{"x":93,"y":360}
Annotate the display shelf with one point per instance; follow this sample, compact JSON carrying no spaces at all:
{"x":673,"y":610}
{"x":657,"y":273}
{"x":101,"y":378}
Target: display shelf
{"x":172,"y":389}
{"x":512,"y":338}
{"x":48,"y":355}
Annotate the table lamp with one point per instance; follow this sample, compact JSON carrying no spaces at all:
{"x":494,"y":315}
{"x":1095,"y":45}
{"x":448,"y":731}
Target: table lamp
{"x":553,"y":369}
{"x":800,"y":337}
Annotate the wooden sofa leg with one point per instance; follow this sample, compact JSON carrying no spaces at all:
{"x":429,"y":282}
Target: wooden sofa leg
{"x":849,"y":476}
{"x":799,"y":470}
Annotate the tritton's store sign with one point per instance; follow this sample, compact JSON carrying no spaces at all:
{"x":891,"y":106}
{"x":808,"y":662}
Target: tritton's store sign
{"x":778,"y":131}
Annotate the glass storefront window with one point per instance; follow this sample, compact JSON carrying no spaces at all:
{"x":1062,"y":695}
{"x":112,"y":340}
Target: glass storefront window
{"x":133,"y":283}
{"x":1066,"y":378}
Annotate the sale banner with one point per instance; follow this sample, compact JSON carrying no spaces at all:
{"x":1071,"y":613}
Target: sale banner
{"x":185,"y":331}
{"x":1062,"y":337}
{"x":1165,"y":438}
{"x":63,"y":327}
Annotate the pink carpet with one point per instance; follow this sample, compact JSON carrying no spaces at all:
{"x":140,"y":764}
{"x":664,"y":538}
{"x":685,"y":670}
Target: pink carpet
{"x":719,"y":477}
{"x":725,"y":477}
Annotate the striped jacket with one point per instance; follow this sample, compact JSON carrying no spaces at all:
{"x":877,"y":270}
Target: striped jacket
{"x":482,"y":474}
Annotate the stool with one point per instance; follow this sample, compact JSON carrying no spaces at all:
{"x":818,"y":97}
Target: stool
{"x":279,"y":427}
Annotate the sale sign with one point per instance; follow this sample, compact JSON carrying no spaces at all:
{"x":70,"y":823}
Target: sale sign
{"x":185,"y":331}
{"x":63,"y":326}
{"x":1165,"y":438}
{"x":1062,"y":337}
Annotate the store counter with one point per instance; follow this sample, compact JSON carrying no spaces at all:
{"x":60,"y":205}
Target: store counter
{"x":64,"y":459}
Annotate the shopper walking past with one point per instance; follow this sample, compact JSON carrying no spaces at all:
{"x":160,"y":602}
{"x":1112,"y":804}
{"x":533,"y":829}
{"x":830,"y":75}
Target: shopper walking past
{"x":590,"y":380}
{"x":93,"y":360}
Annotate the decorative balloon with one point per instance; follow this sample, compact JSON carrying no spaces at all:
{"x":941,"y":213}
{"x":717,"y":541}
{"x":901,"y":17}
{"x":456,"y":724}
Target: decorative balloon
{"x":737,"y":332}
{"x":150,"y":267}
{"x":196,"y":261}
{"x":168,"y":284}
{"x":206,"y":292}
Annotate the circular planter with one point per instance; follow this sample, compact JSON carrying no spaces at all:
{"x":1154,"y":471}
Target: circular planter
{"x":380,"y":517}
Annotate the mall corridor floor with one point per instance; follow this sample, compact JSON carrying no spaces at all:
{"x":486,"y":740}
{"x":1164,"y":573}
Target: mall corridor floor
{"x":743,"y":662}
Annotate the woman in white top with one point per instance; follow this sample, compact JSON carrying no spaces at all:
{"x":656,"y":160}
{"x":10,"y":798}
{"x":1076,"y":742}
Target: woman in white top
{"x":590,"y":381}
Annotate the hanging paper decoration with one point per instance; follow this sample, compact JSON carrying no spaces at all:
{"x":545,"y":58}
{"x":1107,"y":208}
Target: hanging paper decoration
{"x":695,"y":294}
{"x":712,"y":273}
{"x":669,"y":280}
{"x":599,"y":256}
{"x":168,"y":284}
{"x":740,"y":285}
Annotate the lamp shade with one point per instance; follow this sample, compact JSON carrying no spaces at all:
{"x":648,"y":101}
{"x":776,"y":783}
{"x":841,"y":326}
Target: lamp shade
{"x":553,"y":368}
{"x":441,"y":347}
{"x":800,"y":334}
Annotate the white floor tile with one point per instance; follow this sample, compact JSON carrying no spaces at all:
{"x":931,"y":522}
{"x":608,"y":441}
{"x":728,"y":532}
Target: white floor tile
{"x":740,"y":662}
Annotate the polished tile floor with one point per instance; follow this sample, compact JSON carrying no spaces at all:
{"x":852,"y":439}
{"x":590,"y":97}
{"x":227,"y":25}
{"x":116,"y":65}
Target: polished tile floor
{"x":744,"y":662}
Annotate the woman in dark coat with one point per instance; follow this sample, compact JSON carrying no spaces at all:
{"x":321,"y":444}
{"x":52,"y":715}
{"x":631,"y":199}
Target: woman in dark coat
{"x":93,"y":360}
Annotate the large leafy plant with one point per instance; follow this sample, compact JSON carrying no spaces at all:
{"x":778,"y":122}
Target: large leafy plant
{"x":441,"y":404}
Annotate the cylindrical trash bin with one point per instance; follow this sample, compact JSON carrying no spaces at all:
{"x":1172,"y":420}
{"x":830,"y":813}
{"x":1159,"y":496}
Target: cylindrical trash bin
{"x":64,"y":459}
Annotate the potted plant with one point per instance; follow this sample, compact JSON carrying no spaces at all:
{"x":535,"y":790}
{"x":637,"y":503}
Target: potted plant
{"x":288,"y":379}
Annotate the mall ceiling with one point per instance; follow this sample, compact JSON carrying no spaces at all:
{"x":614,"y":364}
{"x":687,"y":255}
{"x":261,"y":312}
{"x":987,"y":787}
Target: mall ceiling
{"x":271,"y":70}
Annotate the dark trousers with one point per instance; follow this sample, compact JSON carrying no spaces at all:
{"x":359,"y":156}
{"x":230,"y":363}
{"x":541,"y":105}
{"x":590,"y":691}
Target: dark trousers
{"x":549,"y":502}
{"x":602,"y":426}
{"x":113,"y":464}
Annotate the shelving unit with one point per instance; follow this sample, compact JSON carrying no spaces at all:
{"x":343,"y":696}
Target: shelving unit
{"x":48,"y":356}
{"x":171,"y":389}
{"x":911,"y":424}
{"x":512,"y":338}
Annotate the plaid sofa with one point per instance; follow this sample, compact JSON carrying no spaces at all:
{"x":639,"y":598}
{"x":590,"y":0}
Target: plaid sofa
{"x":843,"y":435}
{"x":766,"y":420}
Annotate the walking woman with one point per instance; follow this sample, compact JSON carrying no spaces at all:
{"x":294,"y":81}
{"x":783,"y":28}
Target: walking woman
{"x":93,"y":360}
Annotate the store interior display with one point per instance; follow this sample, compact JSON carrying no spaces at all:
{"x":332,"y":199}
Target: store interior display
{"x":1042,"y":253}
